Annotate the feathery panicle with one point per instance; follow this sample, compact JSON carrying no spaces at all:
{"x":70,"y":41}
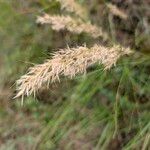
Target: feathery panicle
{"x":73,"y":7}
{"x":116,"y":11}
{"x":72,"y":25}
{"x":68,"y":62}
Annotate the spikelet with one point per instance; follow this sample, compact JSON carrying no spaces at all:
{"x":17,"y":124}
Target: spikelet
{"x":116,"y":11}
{"x":68,"y":62}
{"x":74,"y":26}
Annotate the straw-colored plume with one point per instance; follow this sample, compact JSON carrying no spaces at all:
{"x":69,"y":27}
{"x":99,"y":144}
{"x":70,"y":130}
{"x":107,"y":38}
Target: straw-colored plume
{"x":73,"y":7}
{"x":68,"y":62}
{"x":72,"y":25}
{"x":116,"y":11}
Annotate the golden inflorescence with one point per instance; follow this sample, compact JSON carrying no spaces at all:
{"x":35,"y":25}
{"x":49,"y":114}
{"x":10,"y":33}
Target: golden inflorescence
{"x":73,"y":7}
{"x":76,"y":26}
{"x":68,"y":62}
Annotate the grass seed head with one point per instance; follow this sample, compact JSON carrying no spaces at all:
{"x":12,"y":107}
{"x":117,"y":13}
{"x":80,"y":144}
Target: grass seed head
{"x":68,"y":62}
{"x":76,"y":26}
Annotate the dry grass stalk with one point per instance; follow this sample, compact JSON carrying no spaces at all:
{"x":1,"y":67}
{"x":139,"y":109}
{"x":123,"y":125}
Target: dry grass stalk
{"x":68,"y":62}
{"x":74,"y":26}
{"x":116,"y":11}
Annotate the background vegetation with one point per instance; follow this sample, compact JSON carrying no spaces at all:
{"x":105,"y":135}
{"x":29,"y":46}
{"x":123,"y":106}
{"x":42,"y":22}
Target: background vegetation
{"x":100,"y":110}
